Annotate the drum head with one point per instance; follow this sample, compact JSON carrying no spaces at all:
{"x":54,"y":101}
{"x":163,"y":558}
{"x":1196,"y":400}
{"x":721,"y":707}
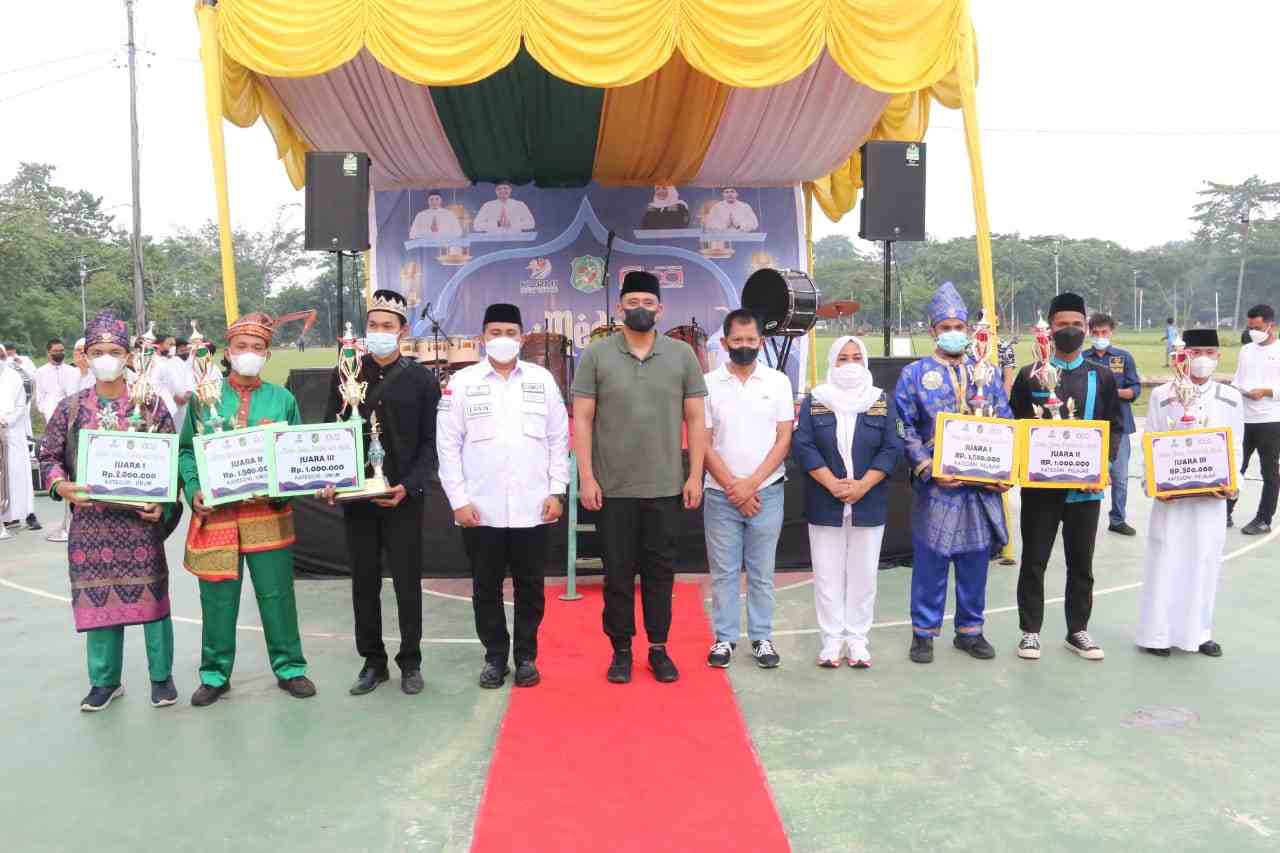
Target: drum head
{"x":766,"y":294}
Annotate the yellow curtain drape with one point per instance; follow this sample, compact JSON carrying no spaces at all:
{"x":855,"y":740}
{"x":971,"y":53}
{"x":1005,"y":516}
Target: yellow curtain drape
{"x":210,"y":59}
{"x":245,"y":99}
{"x":890,"y":45}
{"x":658,"y":130}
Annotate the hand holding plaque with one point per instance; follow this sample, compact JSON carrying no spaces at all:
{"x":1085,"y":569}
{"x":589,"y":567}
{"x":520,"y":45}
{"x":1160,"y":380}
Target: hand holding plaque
{"x":971,"y":449}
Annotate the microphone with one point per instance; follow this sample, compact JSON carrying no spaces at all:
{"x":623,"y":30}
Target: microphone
{"x":426,"y":312}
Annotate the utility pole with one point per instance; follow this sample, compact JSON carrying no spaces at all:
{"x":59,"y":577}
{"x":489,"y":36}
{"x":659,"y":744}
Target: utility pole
{"x":1137,"y":325}
{"x":1217,"y":318}
{"x":84,"y":278}
{"x":1244,"y":254}
{"x":139,"y":297}
{"x":1057,"y":245}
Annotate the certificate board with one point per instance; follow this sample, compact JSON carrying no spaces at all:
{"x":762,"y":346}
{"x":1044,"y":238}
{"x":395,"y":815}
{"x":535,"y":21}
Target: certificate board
{"x":233,"y":465}
{"x":1064,"y":454}
{"x":128,"y":467}
{"x":974,"y":449}
{"x":304,"y":459}
{"x":1189,"y":462}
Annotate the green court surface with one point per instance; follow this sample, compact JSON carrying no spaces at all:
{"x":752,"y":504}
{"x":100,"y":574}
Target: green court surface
{"x":1134,"y":753}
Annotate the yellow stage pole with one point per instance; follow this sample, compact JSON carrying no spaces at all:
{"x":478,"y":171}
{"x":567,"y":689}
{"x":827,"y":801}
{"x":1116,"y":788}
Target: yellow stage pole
{"x":211,"y":62}
{"x":808,"y":248}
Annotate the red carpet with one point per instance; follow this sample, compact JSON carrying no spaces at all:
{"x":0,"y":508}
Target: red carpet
{"x":585,"y":765}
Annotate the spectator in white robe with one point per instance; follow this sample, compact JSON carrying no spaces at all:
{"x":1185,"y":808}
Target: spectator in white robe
{"x":15,"y":418}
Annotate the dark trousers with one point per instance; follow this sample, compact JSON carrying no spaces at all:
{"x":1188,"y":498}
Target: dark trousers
{"x":1265,"y":439}
{"x":638,"y":537}
{"x":378,"y":537}
{"x":492,"y":550}
{"x":1043,"y":510}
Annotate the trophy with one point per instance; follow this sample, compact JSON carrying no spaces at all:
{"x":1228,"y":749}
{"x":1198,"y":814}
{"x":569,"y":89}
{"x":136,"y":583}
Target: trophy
{"x":142,"y":391}
{"x":1183,"y":388}
{"x":1046,"y":373}
{"x":983,"y":370}
{"x":352,"y":391}
{"x":208,"y":382}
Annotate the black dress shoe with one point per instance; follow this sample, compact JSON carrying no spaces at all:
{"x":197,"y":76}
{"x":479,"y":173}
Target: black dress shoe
{"x":1122,"y":528}
{"x":33,"y":523}
{"x":206,"y":694}
{"x":527,"y":674}
{"x":368,"y":680}
{"x":299,"y":687}
{"x":494,"y":675}
{"x":661,"y":665}
{"x":411,"y":681}
{"x":974,"y":645}
{"x":1230,"y":523}
{"x":620,"y":667}
{"x":921,"y":649}
{"x":1256,"y":527}
{"x":1211,"y":649}
{"x":1160,"y":653}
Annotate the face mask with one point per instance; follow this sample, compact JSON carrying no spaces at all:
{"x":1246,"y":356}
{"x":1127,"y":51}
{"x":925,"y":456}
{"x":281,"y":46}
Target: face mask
{"x":59,"y":358}
{"x":953,"y":342}
{"x":107,"y":368}
{"x":1202,"y":366}
{"x":382,"y":344}
{"x":1258,"y":336}
{"x":1068,"y":339}
{"x":849,"y":376}
{"x":502,"y":350}
{"x":248,"y":363}
{"x":1101,"y":343}
{"x":639,"y":319}
{"x":743,"y":355}
{"x":184,"y":356}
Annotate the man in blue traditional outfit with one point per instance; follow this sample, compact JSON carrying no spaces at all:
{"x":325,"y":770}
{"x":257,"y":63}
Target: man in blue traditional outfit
{"x":951,"y":522}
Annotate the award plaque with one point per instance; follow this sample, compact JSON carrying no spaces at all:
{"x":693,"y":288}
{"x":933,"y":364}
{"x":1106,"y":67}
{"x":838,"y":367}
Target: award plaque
{"x":1189,"y":462}
{"x":305,"y":459}
{"x":1064,"y":454}
{"x":974,"y":449}
{"x":233,"y":465}
{"x":128,"y":467}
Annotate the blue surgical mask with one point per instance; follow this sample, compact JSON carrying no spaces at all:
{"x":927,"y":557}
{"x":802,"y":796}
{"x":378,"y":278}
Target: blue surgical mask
{"x":1101,"y":343}
{"x":953,"y":342}
{"x":382,"y":344}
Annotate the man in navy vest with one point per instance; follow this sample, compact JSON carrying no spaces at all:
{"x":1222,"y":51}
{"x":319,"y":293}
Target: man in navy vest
{"x":1128,"y":386}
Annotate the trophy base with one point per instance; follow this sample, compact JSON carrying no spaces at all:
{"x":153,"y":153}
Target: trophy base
{"x":374,"y":487}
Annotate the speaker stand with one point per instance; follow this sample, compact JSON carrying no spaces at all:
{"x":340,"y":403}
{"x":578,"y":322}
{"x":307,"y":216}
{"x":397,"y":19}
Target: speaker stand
{"x":888,"y":249}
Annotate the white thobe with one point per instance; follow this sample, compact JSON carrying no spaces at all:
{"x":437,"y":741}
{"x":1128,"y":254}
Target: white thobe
{"x":436,"y":223}
{"x":15,"y":414}
{"x":498,"y":215}
{"x":736,"y":216}
{"x":53,"y":383}
{"x":1186,"y":535}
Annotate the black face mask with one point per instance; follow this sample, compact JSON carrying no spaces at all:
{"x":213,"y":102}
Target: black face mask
{"x":184,"y":355}
{"x":1068,"y":339}
{"x":58,"y":358}
{"x":639,"y":319}
{"x":743,"y":355}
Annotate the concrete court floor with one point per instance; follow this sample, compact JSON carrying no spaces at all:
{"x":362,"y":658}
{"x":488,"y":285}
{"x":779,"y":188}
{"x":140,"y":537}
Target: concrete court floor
{"x":1135,"y":753}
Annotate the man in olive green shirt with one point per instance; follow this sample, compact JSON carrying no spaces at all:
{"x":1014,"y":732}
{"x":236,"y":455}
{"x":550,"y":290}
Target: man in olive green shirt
{"x":632,"y":394}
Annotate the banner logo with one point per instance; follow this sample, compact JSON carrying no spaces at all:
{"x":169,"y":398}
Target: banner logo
{"x":539,"y":268}
{"x":588,"y":273}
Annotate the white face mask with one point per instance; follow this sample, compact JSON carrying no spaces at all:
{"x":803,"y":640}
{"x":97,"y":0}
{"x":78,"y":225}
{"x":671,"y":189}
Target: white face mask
{"x":107,"y":368}
{"x":247,"y":363}
{"x":502,"y":350}
{"x":1258,"y":335}
{"x":1202,"y":366}
{"x":382,"y":344}
{"x":850,"y":376}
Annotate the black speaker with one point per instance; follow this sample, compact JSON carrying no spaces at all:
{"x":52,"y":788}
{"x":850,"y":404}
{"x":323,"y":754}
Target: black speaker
{"x":892,"y":191}
{"x":337,"y":218}
{"x":310,"y":387}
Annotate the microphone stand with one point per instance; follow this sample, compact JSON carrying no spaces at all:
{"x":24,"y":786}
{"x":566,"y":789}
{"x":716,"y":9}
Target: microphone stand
{"x":608,"y":255}
{"x":435,"y":339}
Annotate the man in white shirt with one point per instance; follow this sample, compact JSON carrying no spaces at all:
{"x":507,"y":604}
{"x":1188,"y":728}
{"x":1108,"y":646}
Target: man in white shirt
{"x":749,"y":423}
{"x":82,"y":364}
{"x":436,"y":222}
{"x":1258,"y":380}
{"x":55,"y":381}
{"x":729,"y":214}
{"x":15,"y":422}
{"x":502,"y":436}
{"x":503,"y":213}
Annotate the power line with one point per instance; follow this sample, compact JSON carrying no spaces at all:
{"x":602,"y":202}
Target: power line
{"x":1107,"y":132}
{"x":68,"y":78}
{"x":56,"y":61}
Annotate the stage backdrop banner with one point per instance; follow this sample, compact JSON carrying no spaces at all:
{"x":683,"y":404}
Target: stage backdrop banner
{"x":459,"y":250}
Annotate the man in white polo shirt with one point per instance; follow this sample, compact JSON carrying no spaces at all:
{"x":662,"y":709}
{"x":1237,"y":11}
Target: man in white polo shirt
{"x":749,"y":417}
{"x":1258,"y":380}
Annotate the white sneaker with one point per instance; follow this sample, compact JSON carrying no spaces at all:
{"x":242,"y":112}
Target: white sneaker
{"x":1029,"y":647}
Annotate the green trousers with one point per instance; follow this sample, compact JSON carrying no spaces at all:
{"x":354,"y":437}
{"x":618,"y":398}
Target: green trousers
{"x":272,"y":576}
{"x":104,"y":648}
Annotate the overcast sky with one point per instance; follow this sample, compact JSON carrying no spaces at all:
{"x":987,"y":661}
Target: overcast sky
{"x":1100,"y":118}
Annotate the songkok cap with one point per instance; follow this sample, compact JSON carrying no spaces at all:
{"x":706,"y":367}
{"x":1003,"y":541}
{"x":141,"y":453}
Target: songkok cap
{"x":257,"y":324}
{"x":391,"y":302}
{"x":106,"y":328}
{"x":1200,"y":337}
{"x":639,"y":281}
{"x":1067,"y":302}
{"x":502,"y":312}
{"x":946,"y":304}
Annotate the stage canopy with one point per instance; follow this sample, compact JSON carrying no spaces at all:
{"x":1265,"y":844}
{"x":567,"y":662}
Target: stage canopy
{"x":445,"y":93}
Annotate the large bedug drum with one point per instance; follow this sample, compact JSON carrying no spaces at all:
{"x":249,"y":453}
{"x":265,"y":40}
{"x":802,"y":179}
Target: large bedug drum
{"x":551,"y":351}
{"x":785,"y":300}
{"x":696,"y":338}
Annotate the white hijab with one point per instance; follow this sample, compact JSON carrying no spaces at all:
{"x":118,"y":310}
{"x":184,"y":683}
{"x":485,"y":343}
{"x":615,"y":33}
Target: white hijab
{"x":672,"y":199}
{"x":847,"y":403}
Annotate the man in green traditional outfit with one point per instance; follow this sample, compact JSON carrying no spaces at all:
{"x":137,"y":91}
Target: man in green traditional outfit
{"x":257,"y":532}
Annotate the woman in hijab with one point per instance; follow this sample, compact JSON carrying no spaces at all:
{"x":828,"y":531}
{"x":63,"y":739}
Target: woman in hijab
{"x":666,"y":210}
{"x":849,"y":440}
